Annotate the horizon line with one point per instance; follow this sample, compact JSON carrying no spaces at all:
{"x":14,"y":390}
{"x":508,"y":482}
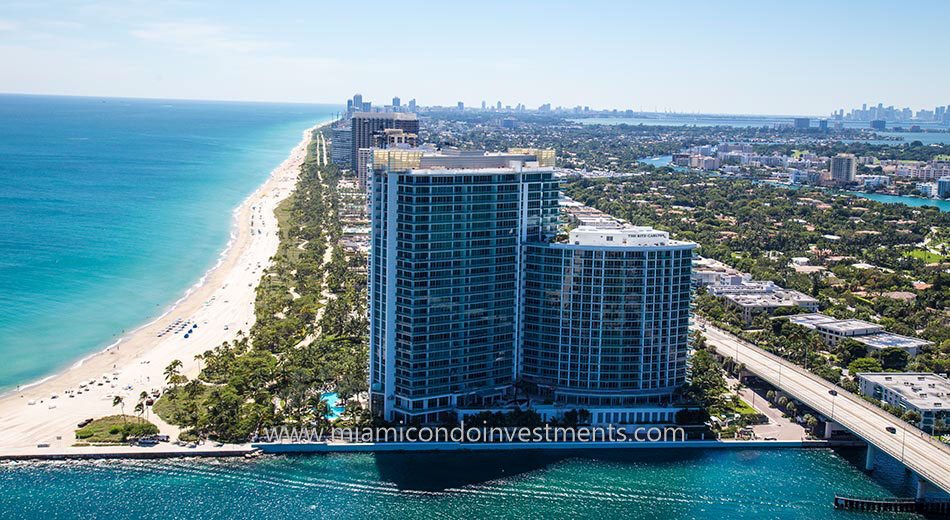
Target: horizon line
{"x":473,"y":108}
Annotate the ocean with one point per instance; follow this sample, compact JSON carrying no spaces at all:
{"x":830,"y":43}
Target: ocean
{"x":638,"y":483}
{"x":110,"y":209}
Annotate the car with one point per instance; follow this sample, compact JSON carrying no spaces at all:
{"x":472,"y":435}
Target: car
{"x":891,"y":429}
{"x":43,"y":445}
{"x":770,"y":439}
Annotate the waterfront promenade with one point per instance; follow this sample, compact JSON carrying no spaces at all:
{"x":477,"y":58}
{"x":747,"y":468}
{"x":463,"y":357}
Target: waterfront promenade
{"x":377,"y":447}
{"x":928,"y":458}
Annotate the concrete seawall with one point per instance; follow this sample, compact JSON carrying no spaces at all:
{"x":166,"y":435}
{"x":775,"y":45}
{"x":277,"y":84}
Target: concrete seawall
{"x":367,"y":447}
{"x":127,"y":452}
{"x":162,"y":452}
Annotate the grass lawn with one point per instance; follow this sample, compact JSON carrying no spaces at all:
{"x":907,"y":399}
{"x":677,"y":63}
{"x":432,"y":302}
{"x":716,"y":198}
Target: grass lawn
{"x":115,"y":429}
{"x":740,"y":407}
{"x":926,"y":256}
{"x":743,"y":408}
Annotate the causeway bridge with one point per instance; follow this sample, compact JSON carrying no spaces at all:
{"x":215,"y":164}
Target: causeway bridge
{"x":929,"y":459}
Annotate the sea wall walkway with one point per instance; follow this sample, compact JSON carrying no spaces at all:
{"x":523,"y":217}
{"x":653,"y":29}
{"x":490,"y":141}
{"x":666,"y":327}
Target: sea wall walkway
{"x":364,"y":447}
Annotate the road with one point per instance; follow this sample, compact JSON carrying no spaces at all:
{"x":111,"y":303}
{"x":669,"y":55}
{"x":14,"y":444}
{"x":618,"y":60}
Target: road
{"x":779,"y":426}
{"x":930,"y":459}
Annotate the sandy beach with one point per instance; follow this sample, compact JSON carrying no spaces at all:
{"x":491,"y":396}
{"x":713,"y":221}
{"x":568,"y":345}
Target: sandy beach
{"x":213,"y":311}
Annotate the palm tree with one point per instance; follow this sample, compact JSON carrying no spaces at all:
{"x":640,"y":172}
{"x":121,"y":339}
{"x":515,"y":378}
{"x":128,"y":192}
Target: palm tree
{"x":120,"y":402}
{"x":173,"y":373}
{"x":142,"y":398}
{"x":199,"y":358}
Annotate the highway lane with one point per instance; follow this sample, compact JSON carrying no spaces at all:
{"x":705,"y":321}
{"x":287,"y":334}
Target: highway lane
{"x":927,"y":457}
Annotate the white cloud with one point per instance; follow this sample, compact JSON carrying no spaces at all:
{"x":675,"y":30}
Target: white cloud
{"x":200,"y":37}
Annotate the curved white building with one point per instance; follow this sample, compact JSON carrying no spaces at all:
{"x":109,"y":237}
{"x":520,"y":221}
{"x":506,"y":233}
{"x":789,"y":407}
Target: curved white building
{"x":606,"y":315}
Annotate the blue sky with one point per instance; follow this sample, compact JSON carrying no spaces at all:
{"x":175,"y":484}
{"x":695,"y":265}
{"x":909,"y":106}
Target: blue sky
{"x":802,"y":57}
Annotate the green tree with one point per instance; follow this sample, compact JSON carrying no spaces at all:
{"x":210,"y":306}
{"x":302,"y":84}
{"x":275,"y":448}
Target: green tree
{"x":864,"y":364}
{"x":849,"y":350}
{"x":707,"y":385}
{"x":120,"y":402}
{"x":893,"y":358}
{"x":792,"y":409}
{"x":173,"y":373}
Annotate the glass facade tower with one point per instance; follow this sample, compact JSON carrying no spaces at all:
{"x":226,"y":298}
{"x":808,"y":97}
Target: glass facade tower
{"x":470,"y":292}
{"x":606,"y":323}
{"x":445,"y":275}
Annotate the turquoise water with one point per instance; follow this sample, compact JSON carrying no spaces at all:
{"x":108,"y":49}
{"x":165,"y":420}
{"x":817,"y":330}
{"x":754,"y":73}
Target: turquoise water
{"x":658,"y":161}
{"x":943,"y":205}
{"x":655,"y":484}
{"x":111,"y":208}
{"x":909,"y":137}
{"x":333,"y":403}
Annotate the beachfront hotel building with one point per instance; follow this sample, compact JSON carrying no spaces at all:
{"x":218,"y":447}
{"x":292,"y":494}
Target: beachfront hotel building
{"x":472,"y":295}
{"x":366,"y":126}
{"x":605,"y":320}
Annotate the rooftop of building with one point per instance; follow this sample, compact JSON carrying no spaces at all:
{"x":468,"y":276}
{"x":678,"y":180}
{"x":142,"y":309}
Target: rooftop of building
{"x":888,"y":340}
{"x":588,"y":216}
{"x":628,"y":236}
{"x":404,"y":116}
{"x":429,"y":160}
{"x":809,"y":320}
{"x":759,"y":293}
{"x":846,"y":326}
{"x":875,"y":336}
{"x":709,"y":264}
{"x":924,"y":390}
{"x":779,"y":298}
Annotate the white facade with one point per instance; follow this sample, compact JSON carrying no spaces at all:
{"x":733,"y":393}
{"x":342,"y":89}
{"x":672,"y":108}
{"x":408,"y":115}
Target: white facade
{"x":925,"y":393}
{"x":626,"y":236}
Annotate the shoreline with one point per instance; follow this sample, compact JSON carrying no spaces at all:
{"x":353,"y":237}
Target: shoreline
{"x":213,"y":310}
{"x":233,"y":232}
{"x":322,"y":448}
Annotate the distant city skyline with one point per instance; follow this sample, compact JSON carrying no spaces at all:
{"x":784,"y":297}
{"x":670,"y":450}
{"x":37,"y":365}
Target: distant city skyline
{"x":810,"y":58}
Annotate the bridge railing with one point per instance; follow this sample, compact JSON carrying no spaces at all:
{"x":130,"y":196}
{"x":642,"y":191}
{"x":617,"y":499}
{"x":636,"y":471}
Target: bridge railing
{"x":773,"y":379}
{"x":841,"y":392}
